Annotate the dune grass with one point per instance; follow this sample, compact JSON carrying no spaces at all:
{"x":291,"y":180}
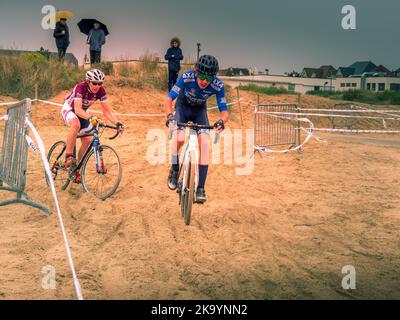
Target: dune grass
{"x":18,"y":75}
{"x":146,"y":73}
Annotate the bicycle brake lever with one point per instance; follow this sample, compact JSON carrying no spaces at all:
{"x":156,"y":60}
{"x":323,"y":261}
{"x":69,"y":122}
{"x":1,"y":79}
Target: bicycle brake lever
{"x":216,"y":138}
{"x":171,"y":130}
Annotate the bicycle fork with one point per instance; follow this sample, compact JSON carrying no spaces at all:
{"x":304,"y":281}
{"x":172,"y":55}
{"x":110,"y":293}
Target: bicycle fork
{"x":98,"y":153}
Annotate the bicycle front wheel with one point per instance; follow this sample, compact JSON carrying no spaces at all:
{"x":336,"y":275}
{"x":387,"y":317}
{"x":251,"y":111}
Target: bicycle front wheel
{"x":104,"y":179}
{"x":188,"y":193}
{"x":56,"y":158}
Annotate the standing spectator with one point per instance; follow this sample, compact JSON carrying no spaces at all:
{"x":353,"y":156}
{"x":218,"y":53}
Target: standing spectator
{"x":96,"y":39}
{"x":61,"y":33}
{"x":174,"y":56}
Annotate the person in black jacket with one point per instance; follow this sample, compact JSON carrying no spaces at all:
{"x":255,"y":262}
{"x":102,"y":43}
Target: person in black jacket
{"x":174,"y":56}
{"x":61,"y":33}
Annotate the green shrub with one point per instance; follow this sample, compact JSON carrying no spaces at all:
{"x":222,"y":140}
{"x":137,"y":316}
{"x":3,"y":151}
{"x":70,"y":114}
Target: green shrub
{"x":327,"y":94}
{"x":265,"y":90}
{"x":125,"y":70}
{"x":364,"y":96}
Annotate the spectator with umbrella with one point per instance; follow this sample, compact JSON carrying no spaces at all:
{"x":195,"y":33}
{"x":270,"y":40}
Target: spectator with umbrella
{"x":61,"y":32}
{"x":96,"y":32}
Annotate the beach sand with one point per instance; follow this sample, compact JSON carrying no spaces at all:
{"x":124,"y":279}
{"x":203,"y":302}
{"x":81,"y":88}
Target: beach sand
{"x":283,"y":232}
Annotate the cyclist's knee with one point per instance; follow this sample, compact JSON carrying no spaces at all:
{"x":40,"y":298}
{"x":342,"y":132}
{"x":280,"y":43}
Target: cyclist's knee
{"x":180,"y":137}
{"x":75,"y":126}
{"x":86,"y":140}
{"x":204,"y":139}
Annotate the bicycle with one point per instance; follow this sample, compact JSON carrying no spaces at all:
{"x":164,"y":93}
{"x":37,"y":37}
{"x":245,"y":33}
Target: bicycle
{"x":106,"y":163}
{"x":189,"y":169}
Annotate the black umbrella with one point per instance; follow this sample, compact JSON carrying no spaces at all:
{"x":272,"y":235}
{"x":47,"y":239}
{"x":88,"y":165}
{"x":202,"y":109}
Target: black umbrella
{"x":85,"y":25}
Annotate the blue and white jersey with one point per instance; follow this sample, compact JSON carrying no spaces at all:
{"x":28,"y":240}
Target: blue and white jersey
{"x":188,"y":88}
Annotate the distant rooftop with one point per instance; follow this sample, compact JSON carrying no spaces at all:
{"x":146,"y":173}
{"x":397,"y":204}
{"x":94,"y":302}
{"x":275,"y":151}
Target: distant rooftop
{"x":361,"y":67}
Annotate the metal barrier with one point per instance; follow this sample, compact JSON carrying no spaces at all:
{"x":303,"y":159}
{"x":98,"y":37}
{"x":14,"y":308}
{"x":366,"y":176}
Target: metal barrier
{"x":271,"y":130}
{"x":14,"y":154}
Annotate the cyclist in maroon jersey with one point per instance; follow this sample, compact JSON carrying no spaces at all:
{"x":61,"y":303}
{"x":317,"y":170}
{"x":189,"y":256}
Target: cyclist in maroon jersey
{"x":75,"y":115}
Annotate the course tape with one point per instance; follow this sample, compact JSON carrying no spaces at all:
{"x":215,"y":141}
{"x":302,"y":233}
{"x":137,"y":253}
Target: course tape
{"x":356,"y":131}
{"x":8,"y":103}
{"x":321,"y":115}
{"x":349,"y":111}
{"x":41,"y":146}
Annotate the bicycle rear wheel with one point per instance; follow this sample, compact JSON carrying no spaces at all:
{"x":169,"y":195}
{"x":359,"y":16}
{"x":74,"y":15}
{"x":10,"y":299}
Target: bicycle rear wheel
{"x":56,"y":158}
{"x":188,"y":194}
{"x":104,"y":180}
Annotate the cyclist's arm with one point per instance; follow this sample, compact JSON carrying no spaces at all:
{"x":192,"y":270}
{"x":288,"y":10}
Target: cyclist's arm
{"x":107,"y":112}
{"x":222,"y":105}
{"x":79,"y":110}
{"x":168,"y":105}
{"x":224,"y":115}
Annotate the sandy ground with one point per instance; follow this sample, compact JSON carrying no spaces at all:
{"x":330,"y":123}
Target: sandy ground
{"x":283,"y":232}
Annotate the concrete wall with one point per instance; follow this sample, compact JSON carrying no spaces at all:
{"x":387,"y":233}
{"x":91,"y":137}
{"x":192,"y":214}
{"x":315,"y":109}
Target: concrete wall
{"x":300,"y":85}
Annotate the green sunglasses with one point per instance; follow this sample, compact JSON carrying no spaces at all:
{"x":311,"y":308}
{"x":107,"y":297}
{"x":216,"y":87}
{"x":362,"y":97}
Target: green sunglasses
{"x":205,"y":77}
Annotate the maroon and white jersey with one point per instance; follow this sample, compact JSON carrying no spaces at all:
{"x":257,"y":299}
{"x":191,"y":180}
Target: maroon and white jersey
{"x":82,"y":92}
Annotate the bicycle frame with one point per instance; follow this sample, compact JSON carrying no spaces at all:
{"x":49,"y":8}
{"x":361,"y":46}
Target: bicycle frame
{"x":95,"y":144}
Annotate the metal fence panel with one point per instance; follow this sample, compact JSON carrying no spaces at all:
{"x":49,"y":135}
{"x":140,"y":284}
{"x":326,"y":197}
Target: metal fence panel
{"x":14,"y":153}
{"x":273,"y":130}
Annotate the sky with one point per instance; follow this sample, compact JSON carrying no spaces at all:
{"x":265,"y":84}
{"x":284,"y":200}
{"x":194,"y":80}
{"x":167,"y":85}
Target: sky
{"x":280,"y":35}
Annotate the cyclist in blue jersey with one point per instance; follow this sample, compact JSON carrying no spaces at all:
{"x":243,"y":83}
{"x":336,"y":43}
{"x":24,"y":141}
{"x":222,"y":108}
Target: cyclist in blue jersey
{"x":192,"y":91}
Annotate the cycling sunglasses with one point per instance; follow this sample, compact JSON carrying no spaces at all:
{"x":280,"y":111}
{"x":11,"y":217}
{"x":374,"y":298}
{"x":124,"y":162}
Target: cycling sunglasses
{"x":97,"y":83}
{"x":205,"y":77}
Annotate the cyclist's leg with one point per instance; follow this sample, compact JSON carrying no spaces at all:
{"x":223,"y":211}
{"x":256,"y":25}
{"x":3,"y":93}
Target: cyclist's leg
{"x":86,"y":126}
{"x":71,"y":120}
{"x":204,"y":138}
{"x":178,"y":141}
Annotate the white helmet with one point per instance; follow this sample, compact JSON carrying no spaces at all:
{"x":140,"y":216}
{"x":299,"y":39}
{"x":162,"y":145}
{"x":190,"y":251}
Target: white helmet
{"x":95,"y":75}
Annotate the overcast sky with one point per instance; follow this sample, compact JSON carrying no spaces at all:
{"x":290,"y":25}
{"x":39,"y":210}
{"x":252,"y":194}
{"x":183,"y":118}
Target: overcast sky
{"x":280,"y":35}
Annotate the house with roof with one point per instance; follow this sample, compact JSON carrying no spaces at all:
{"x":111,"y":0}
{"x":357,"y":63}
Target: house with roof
{"x":383,"y":71}
{"x":396,"y":73}
{"x":311,"y":73}
{"x":323,"y":72}
{"x":231,"y":72}
{"x":345,"y":72}
{"x":363,"y":69}
{"x":69,"y":57}
{"x":366,"y":75}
